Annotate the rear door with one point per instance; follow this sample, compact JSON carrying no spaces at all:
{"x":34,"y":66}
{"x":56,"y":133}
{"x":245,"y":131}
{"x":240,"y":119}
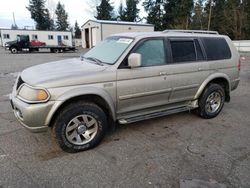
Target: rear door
{"x":187,"y":68}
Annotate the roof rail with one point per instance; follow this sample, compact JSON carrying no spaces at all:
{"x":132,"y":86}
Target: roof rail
{"x":192,"y":31}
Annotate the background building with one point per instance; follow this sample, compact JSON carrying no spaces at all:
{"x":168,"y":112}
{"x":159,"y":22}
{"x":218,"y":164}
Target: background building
{"x":49,"y":37}
{"x":94,"y":31}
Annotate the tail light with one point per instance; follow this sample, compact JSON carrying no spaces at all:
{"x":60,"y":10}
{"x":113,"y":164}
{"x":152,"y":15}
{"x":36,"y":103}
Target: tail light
{"x":241,"y":60}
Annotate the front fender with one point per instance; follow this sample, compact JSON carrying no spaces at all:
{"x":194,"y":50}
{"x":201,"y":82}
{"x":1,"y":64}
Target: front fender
{"x":208,"y":80}
{"x":77,"y":92}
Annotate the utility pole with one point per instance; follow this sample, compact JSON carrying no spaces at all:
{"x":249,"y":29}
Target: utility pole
{"x":210,"y":15}
{"x":14,"y":19}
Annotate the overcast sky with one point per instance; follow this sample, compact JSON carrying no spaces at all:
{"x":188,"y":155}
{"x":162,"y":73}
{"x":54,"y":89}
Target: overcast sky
{"x":80,"y":10}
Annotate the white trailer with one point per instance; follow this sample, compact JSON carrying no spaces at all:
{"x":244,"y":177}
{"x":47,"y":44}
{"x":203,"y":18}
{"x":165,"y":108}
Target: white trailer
{"x":49,"y":37}
{"x":94,"y":31}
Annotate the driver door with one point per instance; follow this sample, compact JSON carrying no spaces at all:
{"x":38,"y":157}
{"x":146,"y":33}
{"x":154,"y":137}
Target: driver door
{"x":146,"y":86}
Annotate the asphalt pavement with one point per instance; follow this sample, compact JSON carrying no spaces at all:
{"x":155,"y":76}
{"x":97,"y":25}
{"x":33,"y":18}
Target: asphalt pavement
{"x":179,"y":150}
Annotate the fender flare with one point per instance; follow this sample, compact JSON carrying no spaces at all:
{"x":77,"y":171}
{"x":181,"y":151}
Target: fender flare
{"x":209,"y":79}
{"x":78,"y":92}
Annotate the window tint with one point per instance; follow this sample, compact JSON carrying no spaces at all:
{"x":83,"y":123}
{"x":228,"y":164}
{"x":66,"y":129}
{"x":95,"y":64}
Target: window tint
{"x":152,"y":52}
{"x":183,"y":51}
{"x":216,"y":48}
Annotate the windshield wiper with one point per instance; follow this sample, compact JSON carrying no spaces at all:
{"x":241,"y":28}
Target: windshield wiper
{"x":97,"y":61}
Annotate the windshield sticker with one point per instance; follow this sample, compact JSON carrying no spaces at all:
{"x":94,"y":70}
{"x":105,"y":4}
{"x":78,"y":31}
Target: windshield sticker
{"x":124,"y":40}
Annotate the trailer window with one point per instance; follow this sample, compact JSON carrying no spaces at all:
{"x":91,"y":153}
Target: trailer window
{"x":66,"y":37}
{"x":6,"y":36}
{"x":34,"y":37}
{"x":50,"y":37}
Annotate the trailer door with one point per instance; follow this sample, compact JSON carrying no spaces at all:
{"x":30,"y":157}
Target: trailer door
{"x":59,"y":40}
{"x":93,"y":36}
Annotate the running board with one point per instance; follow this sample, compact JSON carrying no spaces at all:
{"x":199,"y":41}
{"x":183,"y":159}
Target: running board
{"x":153,"y":115}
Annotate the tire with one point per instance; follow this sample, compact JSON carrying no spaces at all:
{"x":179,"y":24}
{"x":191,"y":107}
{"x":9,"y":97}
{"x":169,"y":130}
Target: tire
{"x":56,"y":50}
{"x":80,"y":126}
{"x":13,"y":50}
{"x":212,"y":101}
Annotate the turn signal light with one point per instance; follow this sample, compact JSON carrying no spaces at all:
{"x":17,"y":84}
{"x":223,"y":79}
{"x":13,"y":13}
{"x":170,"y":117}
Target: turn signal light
{"x":41,"y":95}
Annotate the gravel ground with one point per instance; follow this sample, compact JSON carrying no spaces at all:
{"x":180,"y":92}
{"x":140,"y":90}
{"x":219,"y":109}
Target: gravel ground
{"x":173,"y":151}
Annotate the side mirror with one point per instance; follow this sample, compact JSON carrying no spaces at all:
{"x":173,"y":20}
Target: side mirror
{"x":134,"y":60}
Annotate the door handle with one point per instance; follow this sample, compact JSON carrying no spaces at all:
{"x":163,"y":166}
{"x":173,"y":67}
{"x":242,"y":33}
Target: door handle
{"x":200,"y":69}
{"x":163,"y":73}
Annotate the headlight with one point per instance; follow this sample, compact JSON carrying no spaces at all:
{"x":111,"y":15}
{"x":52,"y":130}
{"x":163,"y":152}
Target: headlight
{"x":7,"y":45}
{"x":32,"y":95}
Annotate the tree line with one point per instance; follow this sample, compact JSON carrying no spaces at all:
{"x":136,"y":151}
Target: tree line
{"x":41,"y":15}
{"x":230,"y":17}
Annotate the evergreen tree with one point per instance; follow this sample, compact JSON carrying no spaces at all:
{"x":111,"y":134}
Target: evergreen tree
{"x":104,"y":10}
{"x":62,"y":18}
{"x":40,"y":14}
{"x":246,"y":7}
{"x":233,"y":19}
{"x":121,"y":13}
{"x":14,"y":26}
{"x":217,"y":14}
{"x":154,"y":8}
{"x":131,"y":11}
{"x":178,"y":13}
{"x":199,"y":16}
{"x":78,"y":32}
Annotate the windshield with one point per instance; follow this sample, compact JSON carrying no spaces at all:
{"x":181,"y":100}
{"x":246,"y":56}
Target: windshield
{"x":109,"y":50}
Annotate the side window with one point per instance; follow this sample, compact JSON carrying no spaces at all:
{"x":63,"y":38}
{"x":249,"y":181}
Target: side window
{"x":183,"y":51}
{"x":216,"y":48}
{"x":50,"y":37}
{"x":152,"y":52}
{"x":6,"y":36}
{"x":66,"y":37}
{"x":199,"y":53}
{"x":34,"y":37}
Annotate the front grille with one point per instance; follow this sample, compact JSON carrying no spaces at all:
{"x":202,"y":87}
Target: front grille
{"x":19,"y":82}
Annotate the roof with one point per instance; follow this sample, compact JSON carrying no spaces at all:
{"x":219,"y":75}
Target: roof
{"x":31,"y":30}
{"x":118,"y":23}
{"x":172,"y":33}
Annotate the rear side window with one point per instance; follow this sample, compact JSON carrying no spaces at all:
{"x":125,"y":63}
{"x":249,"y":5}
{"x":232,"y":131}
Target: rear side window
{"x":183,"y":51}
{"x":216,"y":48}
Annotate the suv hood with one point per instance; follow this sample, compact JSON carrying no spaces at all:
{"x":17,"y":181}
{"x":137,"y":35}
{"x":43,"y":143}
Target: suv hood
{"x":60,"y":73}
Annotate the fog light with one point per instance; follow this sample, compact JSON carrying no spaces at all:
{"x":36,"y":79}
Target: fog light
{"x":19,"y":113}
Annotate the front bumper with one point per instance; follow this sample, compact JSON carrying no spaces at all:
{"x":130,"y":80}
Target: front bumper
{"x":31,"y":116}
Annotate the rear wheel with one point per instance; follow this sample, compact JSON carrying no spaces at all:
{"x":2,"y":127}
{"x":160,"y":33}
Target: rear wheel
{"x":56,"y":50}
{"x":80,"y":126}
{"x":212,"y":101}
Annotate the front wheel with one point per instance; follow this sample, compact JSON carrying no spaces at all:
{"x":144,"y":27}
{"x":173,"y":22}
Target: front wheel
{"x":212,"y":101}
{"x":80,"y":126}
{"x":13,"y":50}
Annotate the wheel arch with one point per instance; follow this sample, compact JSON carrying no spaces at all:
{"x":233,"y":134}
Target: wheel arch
{"x":102,"y":101}
{"x":219,"y":78}
{"x":13,"y":46}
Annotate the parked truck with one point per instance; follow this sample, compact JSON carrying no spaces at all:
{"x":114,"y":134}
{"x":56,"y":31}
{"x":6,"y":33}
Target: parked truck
{"x":23,"y":43}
